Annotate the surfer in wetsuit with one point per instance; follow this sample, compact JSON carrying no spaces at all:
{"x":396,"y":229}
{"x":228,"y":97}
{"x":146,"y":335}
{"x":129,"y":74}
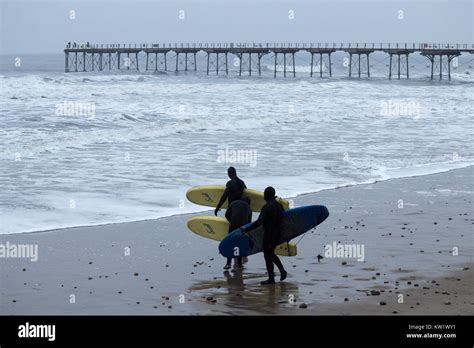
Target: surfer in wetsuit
{"x":270,"y":218}
{"x":233,"y":189}
{"x":238,"y":214}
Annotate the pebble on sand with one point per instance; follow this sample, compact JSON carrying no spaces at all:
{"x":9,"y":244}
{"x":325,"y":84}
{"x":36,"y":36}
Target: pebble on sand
{"x":382,"y":303}
{"x":303,"y":305}
{"x":374,"y":292}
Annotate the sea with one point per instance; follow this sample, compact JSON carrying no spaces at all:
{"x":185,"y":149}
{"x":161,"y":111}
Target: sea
{"x":101,"y":147}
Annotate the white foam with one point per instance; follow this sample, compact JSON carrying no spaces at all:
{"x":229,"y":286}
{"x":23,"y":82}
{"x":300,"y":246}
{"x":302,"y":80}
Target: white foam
{"x":153,"y":136}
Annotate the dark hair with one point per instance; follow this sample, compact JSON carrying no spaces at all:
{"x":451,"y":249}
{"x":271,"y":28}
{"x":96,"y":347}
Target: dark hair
{"x":269,"y":193}
{"x":246,"y":199}
{"x":231,"y":172}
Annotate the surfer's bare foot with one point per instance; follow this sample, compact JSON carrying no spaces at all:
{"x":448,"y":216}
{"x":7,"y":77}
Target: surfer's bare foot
{"x":283,"y":275}
{"x":269,"y":281}
{"x":227,"y":266}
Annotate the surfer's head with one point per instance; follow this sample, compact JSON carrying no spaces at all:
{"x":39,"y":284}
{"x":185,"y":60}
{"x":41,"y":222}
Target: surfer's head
{"x":269,"y":193}
{"x":231,"y":172}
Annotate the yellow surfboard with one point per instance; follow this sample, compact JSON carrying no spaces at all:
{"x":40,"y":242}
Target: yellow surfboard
{"x":209,"y":196}
{"x":216,"y":228}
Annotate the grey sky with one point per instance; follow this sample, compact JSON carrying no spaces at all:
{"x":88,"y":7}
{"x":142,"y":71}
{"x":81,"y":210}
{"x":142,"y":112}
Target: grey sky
{"x":29,"y":26}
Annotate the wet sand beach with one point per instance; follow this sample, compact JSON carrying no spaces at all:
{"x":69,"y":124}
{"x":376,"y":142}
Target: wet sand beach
{"x":417,"y":235}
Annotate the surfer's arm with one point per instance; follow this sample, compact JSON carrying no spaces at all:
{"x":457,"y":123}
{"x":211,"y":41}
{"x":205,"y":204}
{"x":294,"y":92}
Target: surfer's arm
{"x":222,"y":200}
{"x":255,"y":224}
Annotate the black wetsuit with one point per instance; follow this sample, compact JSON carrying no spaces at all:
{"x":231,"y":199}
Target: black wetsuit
{"x":270,"y":218}
{"x":233,"y":191}
{"x":238,"y":214}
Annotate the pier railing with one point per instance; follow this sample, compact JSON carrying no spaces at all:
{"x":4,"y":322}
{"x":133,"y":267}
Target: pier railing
{"x":270,"y":45}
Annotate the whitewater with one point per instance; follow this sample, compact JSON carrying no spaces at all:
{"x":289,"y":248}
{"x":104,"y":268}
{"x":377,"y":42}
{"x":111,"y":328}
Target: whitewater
{"x":141,"y":139}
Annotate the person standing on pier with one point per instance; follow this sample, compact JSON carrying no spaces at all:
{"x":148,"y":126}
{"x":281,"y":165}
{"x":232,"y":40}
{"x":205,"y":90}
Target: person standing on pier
{"x":270,"y":217}
{"x":234,"y":189}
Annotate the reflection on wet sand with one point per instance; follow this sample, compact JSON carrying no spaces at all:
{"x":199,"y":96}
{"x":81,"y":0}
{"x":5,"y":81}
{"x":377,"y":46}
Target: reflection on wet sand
{"x":241,"y":292}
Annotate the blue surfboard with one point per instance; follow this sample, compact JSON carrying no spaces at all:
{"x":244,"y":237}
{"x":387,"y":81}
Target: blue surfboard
{"x":295,"y":222}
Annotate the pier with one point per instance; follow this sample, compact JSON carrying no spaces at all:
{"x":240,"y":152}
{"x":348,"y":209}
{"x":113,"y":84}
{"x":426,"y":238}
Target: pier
{"x":248,"y":56}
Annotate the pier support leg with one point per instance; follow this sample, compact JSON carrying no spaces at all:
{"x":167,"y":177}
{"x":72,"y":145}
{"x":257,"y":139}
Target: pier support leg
{"x":312,"y":60}
{"x":284,"y":64}
{"x":432,"y":67}
{"x":321,"y":65}
{"x":156,"y":61}
{"x":166,"y":67}
{"x":136,"y":61}
{"x":177,"y":58}
{"x":240,"y":63}
{"x":217,"y":63}
{"x":195,"y":65}
{"x":408,"y":71}
{"x":250,"y":64}
{"x":368,"y":65}
{"x":92,"y":62}
{"x":100,"y":62}
{"x":399,"y":65}
{"x":359,"y":63}
{"x":440,"y":66}
{"x":146,"y":64}
{"x":275,"y":68}
{"x":350,"y":64}
{"x":294,"y":70}
{"x":208,"y":56}
{"x":226,"y":66}
{"x":450,"y":58}
{"x":84,"y":61}
{"x":66,"y":62}
{"x":330,"y":65}
{"x":118,"y":60}
{"x":449,"y":69}
{"x":186,"y":61}
{"x":390,"y":68}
